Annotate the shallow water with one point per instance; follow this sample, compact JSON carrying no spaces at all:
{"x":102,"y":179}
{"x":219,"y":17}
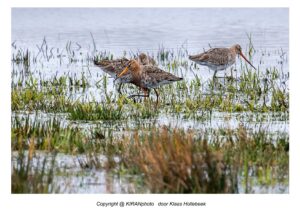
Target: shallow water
{"x":271,"y":122}
{"x":146,"y":30}
{"x":70,"y":177}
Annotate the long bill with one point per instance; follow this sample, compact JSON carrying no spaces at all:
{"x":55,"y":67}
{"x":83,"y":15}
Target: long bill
{"x":123,"y":72}
{"x":242,"y":55}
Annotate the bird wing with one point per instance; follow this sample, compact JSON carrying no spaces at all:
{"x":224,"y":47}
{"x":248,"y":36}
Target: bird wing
{"x":158,"y":74}
{"x":214,"y":55}
{"x":112,"y":66}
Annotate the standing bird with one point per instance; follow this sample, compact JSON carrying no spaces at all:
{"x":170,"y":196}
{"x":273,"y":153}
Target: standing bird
{"x":144,"y":59}
{"x":218,"y":59}
{"x":115,"y":67}
{"x":147,"y":77}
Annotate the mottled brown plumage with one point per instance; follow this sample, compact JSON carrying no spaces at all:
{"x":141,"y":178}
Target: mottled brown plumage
{"x":218,"y":59}
{"x":112,"y":67}
{"x":115,"y":67}
{"x":144,"y":59}
{"x":147,"y":77}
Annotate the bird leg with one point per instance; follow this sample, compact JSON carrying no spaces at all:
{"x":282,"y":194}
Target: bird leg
{"x":214,"y":78}
{"x":215,"y":73}
{"x":119,"y":88}
{"x":146,"y":94}
{"x":157,"y":95}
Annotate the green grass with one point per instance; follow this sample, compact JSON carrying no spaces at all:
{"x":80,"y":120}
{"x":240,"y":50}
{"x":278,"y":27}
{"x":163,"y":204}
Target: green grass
{"x":30,"y":177}
{"x":49,"y":136}
{"x":170,"y":160}
{"x":95,"y":111}
{"x":166,"y":160}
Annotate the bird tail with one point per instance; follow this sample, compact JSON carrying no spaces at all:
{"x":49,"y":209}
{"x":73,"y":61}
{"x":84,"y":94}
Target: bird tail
{"x":101,"y":63}
{"x":178,"y":79}
{"x":191,"y":57}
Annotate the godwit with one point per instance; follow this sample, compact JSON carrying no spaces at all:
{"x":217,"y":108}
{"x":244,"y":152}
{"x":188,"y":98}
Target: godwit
{"x":144,"y":59}
{"x":147,"y":77}
{"x":112,"y":67}
{"x":218,"y":59}
{"x":115,"y":67}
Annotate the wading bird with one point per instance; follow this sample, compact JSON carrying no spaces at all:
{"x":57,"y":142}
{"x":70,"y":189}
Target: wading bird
{"x":218,"y":59}
{"x":147,"y":77}
{"x":115,"y":67}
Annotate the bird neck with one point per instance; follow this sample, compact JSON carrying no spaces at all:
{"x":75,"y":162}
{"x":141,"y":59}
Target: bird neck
{"x":233,"y":51}
{"x":137,"y":73}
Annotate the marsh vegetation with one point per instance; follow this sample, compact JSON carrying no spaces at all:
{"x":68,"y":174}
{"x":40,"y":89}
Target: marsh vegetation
{"x":72,"y":132}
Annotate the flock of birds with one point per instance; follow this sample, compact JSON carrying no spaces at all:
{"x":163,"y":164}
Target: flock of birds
{"x":144,"y":72}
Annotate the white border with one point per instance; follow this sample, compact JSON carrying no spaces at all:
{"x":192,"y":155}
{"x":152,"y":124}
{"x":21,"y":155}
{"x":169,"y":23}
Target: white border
{"x":88,"y":201}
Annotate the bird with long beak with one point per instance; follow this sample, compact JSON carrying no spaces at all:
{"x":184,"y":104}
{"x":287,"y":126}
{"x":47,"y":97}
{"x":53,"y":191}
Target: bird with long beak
{"x":115,"y":67}
{"x":147,"y":77}
{"x":218,"y":59}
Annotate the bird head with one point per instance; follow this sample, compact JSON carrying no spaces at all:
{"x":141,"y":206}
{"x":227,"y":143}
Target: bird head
{"x":132,"y":65}
{"x":238,"y":50}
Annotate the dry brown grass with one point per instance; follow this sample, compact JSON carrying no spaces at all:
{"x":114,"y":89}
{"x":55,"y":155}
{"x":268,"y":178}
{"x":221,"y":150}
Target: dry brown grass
{"x":177,"y":162}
